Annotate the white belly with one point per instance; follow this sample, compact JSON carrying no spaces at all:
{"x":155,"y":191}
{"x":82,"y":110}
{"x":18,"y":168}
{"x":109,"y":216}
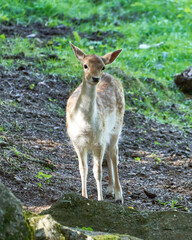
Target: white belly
{"x":89,"y":134}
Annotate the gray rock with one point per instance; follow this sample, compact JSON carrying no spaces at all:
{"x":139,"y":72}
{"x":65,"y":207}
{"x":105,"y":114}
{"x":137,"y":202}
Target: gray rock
{"x":12,"y":221}
{"x":79,"y":234}
{"x":46,"y":228}
{"x":184,"y":80}
{"x":73,"y":210}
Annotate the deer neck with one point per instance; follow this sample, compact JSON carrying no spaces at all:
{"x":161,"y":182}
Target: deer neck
{"x":86,"y":103}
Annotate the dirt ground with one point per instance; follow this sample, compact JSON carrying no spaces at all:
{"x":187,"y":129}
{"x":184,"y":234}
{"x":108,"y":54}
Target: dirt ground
{"x":155,"y":159}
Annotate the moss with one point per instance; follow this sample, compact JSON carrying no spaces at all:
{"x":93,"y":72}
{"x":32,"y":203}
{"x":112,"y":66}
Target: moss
{"x":114,"y":237}
{"x":44,"y":226}
{"x":106,"y":237}
{"x":27,"y":215}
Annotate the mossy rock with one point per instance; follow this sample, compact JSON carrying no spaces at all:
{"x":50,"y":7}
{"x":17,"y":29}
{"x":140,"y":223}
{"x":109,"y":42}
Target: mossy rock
{"x":46,"y":228}
{"x":73,"y":210}
{"x":12,"y":221}
{"x":184,"y":80}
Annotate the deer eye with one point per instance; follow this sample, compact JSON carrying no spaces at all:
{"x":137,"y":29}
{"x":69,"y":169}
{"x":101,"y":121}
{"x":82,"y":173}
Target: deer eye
{"x":103,"y":68}
{"x":85,"y":66}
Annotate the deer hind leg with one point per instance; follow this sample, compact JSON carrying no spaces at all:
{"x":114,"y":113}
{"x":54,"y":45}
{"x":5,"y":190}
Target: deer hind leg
{"x":98,"y":154}
{"x":113,"y":157}
{"x":83,"y":168}
{"x":110,"y":188}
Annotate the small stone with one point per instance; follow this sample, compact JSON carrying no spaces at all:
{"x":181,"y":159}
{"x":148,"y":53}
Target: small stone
{"x":32,"y":35}
{"x":190,"y":164}
{"x":36,"y":146}
{"x":184,"y":80}
{"x":150,"y":194}
{"x":3,"y":144}
{"x":18,"y":179}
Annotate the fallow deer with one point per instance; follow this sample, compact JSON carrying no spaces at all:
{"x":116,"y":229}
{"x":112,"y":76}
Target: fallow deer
{"x":94,"y":116}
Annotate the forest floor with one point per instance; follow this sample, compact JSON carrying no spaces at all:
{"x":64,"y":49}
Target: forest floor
{"x":37,"y":160}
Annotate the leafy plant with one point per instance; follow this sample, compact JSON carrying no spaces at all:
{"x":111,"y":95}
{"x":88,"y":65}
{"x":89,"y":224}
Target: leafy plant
{"x":1,"y":128}
{"x":32,"y":86}
{"x":137,"y":159}
{"x":17,"y":152}
{"x":45,"y":178}
{"x":42,"y":175}
{"x":2,"y":37}
{"x":77,"y":37}
{"x":162,"y":203}
{"x":173,"y":203}
{"x":87,"y":228}
{"x":158,"y":159}
{"x":56,"y":108}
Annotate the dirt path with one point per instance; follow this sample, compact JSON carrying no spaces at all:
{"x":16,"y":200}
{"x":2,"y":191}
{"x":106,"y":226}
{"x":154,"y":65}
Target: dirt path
{"x":155,"y":159}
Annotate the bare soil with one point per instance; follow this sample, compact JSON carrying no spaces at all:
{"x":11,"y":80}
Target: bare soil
{"x":39,"y":30}
{"x":155,"y":159}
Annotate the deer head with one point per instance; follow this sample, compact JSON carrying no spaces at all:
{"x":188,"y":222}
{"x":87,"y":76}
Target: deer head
{"x":93,"y":65}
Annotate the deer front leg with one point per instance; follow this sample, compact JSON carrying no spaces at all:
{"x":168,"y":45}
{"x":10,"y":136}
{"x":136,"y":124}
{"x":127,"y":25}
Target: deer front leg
{"x":83,"y":168}
{"x":98,"y":154}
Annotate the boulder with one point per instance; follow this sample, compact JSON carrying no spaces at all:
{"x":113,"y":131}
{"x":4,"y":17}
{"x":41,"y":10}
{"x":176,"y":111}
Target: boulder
{"x":12,"y":221}
{"x":73,"y":217}
{"x":46,"y":228}
{"x":72,"y":210}
{"x":184,"y":80}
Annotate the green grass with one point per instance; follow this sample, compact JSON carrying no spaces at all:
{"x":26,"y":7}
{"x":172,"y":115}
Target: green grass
{"x":164,"y":26}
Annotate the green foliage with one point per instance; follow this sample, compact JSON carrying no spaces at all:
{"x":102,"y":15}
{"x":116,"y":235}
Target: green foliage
{"x":155,"y":37}
{"x":173,"y":204}
{"x":77,"y":37}
{"x":162,"y":203}
{"x":87,"y":228}
{"x":44,"y":178}
{"x":158,"y":159}
{"x":138,"y":159}
{"x":55,"y":108}
{"x":2,"y":129}
{"x":32,"y":86}
{"x":42,"y":175}
{"x":2,"y":37}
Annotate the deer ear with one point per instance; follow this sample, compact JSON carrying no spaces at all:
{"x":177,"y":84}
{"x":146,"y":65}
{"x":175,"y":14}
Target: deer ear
{"x":110,"y":57}
{"x":78,"y":52}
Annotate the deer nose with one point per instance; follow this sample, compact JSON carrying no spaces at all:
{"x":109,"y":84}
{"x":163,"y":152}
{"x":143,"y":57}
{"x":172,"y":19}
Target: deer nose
{"x":96,"y":79}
